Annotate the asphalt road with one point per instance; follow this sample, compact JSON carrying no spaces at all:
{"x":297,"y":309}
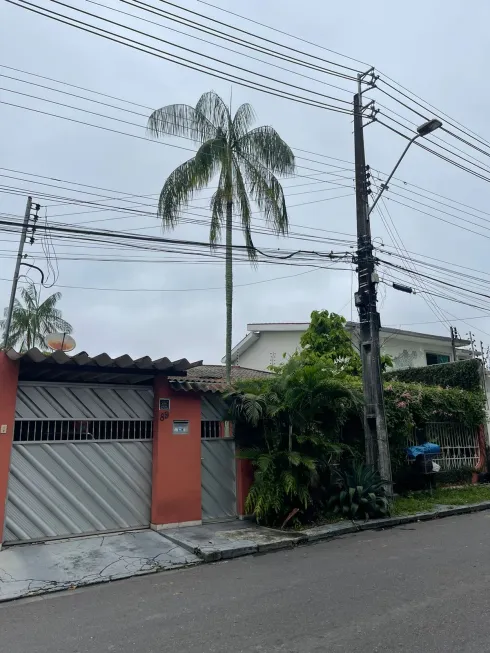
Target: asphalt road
{"x":420,"y":588}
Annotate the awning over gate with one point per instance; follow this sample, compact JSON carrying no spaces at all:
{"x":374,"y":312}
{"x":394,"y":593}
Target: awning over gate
{"x":82,"y":368}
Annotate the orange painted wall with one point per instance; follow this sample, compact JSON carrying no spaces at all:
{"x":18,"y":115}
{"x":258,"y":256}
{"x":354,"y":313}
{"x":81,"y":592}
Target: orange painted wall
{"x":176,"y":485}
{"x":244,"y":480}
{"x":9,"y":371}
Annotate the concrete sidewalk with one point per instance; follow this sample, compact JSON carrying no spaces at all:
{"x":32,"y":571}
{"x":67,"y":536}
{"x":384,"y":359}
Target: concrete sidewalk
{"x":213,"y":542}
{"x":30,"y":569}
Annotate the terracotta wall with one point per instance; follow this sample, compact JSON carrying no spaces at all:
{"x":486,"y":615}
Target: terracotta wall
{"x":176,"y":483}
{"x":9,"y":371}
{"x":244,"y":480}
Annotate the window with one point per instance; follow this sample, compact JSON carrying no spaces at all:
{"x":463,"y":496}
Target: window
{"x":210,"y":429}
{"x":436,"y":359}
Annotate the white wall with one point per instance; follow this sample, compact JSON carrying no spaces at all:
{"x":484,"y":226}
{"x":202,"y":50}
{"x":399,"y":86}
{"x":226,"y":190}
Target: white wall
{"x":271,"y":345}
{"x":269,"y":349}
{"x":412,"y":352}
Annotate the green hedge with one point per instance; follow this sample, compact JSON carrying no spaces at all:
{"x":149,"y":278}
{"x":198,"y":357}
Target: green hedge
{"x":412,"y":405}
{"x":463,"y":374}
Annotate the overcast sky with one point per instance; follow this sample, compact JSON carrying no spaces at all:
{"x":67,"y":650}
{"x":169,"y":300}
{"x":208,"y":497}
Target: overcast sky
{"x":437,"y":49}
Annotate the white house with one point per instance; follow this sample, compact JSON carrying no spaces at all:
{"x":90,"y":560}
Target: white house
{"x":266,"y":344}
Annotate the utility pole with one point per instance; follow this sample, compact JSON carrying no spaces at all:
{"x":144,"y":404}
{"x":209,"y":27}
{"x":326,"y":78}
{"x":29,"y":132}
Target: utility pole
{"x":376,"y":434}
{"x":18,"y":262}
{"x":472,"y":343}
{"x":453,"y":342}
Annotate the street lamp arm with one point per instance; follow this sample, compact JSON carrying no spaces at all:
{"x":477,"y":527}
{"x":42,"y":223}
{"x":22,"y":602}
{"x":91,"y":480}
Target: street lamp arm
{"x":385,"y":185}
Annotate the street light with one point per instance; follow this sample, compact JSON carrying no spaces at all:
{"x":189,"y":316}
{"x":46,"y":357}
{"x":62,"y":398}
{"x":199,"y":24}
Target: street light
{"x":429,"y":127}
{"x":424,"y":130}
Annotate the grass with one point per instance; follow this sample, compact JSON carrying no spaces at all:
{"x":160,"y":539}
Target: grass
{"x":423,"y":501}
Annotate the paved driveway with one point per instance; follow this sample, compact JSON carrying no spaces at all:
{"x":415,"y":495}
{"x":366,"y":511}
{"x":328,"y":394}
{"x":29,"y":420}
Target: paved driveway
{"x":420,"y":588}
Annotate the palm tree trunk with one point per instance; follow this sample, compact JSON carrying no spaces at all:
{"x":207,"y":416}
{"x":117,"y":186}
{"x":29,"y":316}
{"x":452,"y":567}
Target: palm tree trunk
{"x":229,"y":288}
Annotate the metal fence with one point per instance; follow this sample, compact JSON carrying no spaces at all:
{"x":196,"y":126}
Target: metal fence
{"x":460,"y":445}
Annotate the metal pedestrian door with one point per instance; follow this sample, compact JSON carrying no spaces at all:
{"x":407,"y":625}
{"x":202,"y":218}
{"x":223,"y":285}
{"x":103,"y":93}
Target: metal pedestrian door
{"x":218,"y":479}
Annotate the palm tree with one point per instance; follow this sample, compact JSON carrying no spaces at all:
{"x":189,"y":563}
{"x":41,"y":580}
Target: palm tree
{"x":246,"y":162}
{"x":32,"y":321}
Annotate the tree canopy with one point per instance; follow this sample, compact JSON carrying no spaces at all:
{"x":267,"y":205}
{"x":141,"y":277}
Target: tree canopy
{"x":34,"y":320}
{"x":246,"y":163}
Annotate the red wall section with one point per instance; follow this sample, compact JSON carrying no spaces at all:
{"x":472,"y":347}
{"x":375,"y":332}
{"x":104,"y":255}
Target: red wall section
{"x":176,"y":484}
{"x":9,"y":371}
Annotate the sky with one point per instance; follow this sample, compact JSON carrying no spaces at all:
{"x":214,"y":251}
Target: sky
{"x":151,"y":305}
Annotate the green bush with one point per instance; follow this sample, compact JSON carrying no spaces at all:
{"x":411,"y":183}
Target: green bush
{"x":412,"y":405}
{"x":289,"y":430}
{"x":462,"y":476}
{"x":465,"y":375}
{"x":359,"y":493}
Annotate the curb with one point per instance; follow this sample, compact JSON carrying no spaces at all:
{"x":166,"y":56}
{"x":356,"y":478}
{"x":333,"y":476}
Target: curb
{"x":246,"y":547}
{"x":330,"y":532}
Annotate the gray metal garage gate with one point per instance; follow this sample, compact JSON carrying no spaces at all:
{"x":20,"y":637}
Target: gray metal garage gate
{"x":218,"y":465}
{"x":81,"y":461}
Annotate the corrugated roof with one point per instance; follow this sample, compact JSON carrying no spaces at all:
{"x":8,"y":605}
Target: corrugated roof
{"x":59,"y":366}
{"x":219,"y":372}
{"x":211,"y":378}
{"x":198,"y":386}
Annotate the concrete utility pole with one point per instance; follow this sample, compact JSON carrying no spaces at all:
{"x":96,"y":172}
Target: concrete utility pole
{"x":453,"y":342}
{"x":18,"y":262}
{"x":376,"y":434}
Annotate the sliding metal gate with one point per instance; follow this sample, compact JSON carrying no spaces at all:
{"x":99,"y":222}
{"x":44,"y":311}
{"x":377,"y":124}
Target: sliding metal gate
{"x":81,"y":461}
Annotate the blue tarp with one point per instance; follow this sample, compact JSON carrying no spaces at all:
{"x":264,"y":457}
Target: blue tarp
{"x":426,"y":449}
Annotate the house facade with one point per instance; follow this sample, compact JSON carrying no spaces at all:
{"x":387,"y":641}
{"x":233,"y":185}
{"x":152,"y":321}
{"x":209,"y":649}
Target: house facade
{"x":268,"y":344}
{"x":95,"y":444}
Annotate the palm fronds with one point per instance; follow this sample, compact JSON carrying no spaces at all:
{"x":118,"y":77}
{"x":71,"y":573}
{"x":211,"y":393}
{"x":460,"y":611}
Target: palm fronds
{"x":246,"y":161}
{"x":33,"y":320}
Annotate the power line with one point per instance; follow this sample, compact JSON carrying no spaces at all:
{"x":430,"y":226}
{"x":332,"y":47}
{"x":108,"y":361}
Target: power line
{"x":201,"y":54}
{"x":461,"y":127}
{"x":438,"y":154}
{"x":158,"y":239}
{"x":137,"y":45}
{"x":399,"y":245}
{"x":479,"y":163}
{"x":433,"y":279}
{"x":217,"y":34}
{"x":262,"y":38}
{"x":294,"y":148}
{"x":101,"y":115}
{"x":274,"y":29}
{"x":163,"y":290}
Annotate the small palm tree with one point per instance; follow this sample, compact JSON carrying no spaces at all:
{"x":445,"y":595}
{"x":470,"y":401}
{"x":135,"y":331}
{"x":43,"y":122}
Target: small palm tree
{"x":246,"y":162}
{"x":34,"y":320}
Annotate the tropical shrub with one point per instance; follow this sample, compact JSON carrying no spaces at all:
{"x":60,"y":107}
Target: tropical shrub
{"x":359,"y":492}
{"x":290,"y":431}
{"x":285,"y":481}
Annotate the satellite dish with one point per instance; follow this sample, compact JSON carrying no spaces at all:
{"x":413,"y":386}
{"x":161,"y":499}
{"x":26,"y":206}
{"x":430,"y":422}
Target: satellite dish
{"x":60,"y":342}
